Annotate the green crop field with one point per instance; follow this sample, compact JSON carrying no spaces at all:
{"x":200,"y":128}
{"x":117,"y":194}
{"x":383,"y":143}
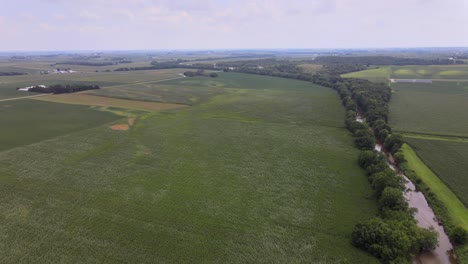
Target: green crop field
{"x":196,"y":90}
{"x":438,"y":108}
{"x":437,"y":72}
{"x":260,"y":170}
{"x":448,"y":160}
{"x":29,"y":121}
{"x":381,"y":74}
{"x":8,"y":84}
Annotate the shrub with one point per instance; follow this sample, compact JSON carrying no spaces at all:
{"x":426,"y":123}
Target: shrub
{"x":458,"y":235}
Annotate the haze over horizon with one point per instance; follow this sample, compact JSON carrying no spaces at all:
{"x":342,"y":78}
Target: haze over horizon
{"x":32,"y":25}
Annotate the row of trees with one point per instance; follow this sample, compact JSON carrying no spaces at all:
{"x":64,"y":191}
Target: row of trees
{"x":200,"y":72}
{"x":12,"y":73}
{"x":59,"y":88}
{"x":89,"y":63}
{"x":384,"y":60}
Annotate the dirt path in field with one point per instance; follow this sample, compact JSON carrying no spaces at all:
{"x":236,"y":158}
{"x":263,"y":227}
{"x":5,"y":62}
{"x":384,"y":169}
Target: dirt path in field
{"x":23,"y":97}
{"x":118,"y":85}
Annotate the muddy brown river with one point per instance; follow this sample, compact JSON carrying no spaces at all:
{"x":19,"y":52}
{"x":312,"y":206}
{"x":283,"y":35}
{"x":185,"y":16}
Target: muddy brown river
{"x":424,"y":216}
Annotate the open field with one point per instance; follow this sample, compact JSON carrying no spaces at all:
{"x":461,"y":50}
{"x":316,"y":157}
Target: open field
{"x":436,"y":137}
{"x":435,"y":72}
{"x":381,"y":74}
{"x":450,"y":169}
{"x":439,"y":108}
{"x":260,"y":171}
{"x":198,"y":90}
{"x":448,"y":161}
{"x":9,"y":83}
{"x":88,"y":99}
{"x":29,"y":121}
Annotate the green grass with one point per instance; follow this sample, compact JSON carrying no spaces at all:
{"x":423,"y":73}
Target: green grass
{"x":29,"y":121}
{"x":447,"y":160}
{"x":381,"y":74}
{"x":8,"y":84}
{"x":198,"y":90}
{"x":261,"y":173}
{"x":450,"y":169}
{"x":439,"y":108}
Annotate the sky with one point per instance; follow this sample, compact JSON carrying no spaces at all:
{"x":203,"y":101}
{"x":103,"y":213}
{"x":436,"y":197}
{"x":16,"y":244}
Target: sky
{"x":47,"y":25}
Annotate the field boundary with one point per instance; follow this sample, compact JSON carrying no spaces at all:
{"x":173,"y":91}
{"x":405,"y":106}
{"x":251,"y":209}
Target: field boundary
{"x":455,"y":208}
{"x":447,"y":138}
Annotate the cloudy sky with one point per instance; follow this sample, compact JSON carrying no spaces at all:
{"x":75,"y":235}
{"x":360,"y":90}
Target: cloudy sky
{"x":225,"y":24}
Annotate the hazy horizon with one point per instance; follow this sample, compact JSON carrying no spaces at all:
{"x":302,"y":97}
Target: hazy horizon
{"x":104,"y":25}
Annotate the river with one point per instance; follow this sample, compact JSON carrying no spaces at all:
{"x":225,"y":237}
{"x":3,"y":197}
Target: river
{"x":424,"y":216}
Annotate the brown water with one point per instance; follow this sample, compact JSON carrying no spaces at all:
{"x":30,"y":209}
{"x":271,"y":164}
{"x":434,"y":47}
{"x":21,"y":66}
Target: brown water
{"x":425,"y":217}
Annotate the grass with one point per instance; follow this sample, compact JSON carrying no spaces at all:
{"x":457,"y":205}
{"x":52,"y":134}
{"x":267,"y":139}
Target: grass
{"x":450,"y":169}
{"x":447,"y":160}
{"x":29,"y":121}
{"x":424,"y":108}
{"x":438,"y":72}
{"x":104,"y":79}
{"x":88,"y":99}
{"x":262,"y":172}
{"x":380,"y":74}
{"x":436,"y":137}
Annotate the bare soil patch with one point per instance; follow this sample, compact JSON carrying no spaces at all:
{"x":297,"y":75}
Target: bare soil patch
{"x":120,"y":127}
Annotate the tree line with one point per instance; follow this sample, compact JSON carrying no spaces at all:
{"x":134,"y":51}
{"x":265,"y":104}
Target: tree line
{"x":200,"y":72}
{"x":384,"y":60}
{"x":88,"y":63}
{"x":60,"y":88}
{"x":12,"y":73}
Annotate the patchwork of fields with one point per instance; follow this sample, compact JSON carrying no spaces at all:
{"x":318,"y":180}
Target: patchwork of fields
{"x":259,"y":169}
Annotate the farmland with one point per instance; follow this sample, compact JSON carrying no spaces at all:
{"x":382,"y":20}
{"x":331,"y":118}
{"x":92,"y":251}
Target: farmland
{"x":448,"y":160}
{"x":258,"y":169}
{"x":425,"y":108}
{"x":29,"y":121}
{"x":437,"y":72}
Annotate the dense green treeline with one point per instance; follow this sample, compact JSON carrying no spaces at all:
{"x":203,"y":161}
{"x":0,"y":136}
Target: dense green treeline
{"x":384,"y":60}
{"x":59,"y":88}
{"x":12,"y":73}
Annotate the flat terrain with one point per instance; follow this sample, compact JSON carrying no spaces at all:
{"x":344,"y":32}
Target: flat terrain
{"x":448,"y":160}
{"x":258,"y":170}
{"x":88,"y":99}
{"x":449,"y":185}
{"x":438,"y":108}
{"x":436,"y":72}
{"x":9,"y":83}
{"x":381,"y":74}
{"x":28,"y":121}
